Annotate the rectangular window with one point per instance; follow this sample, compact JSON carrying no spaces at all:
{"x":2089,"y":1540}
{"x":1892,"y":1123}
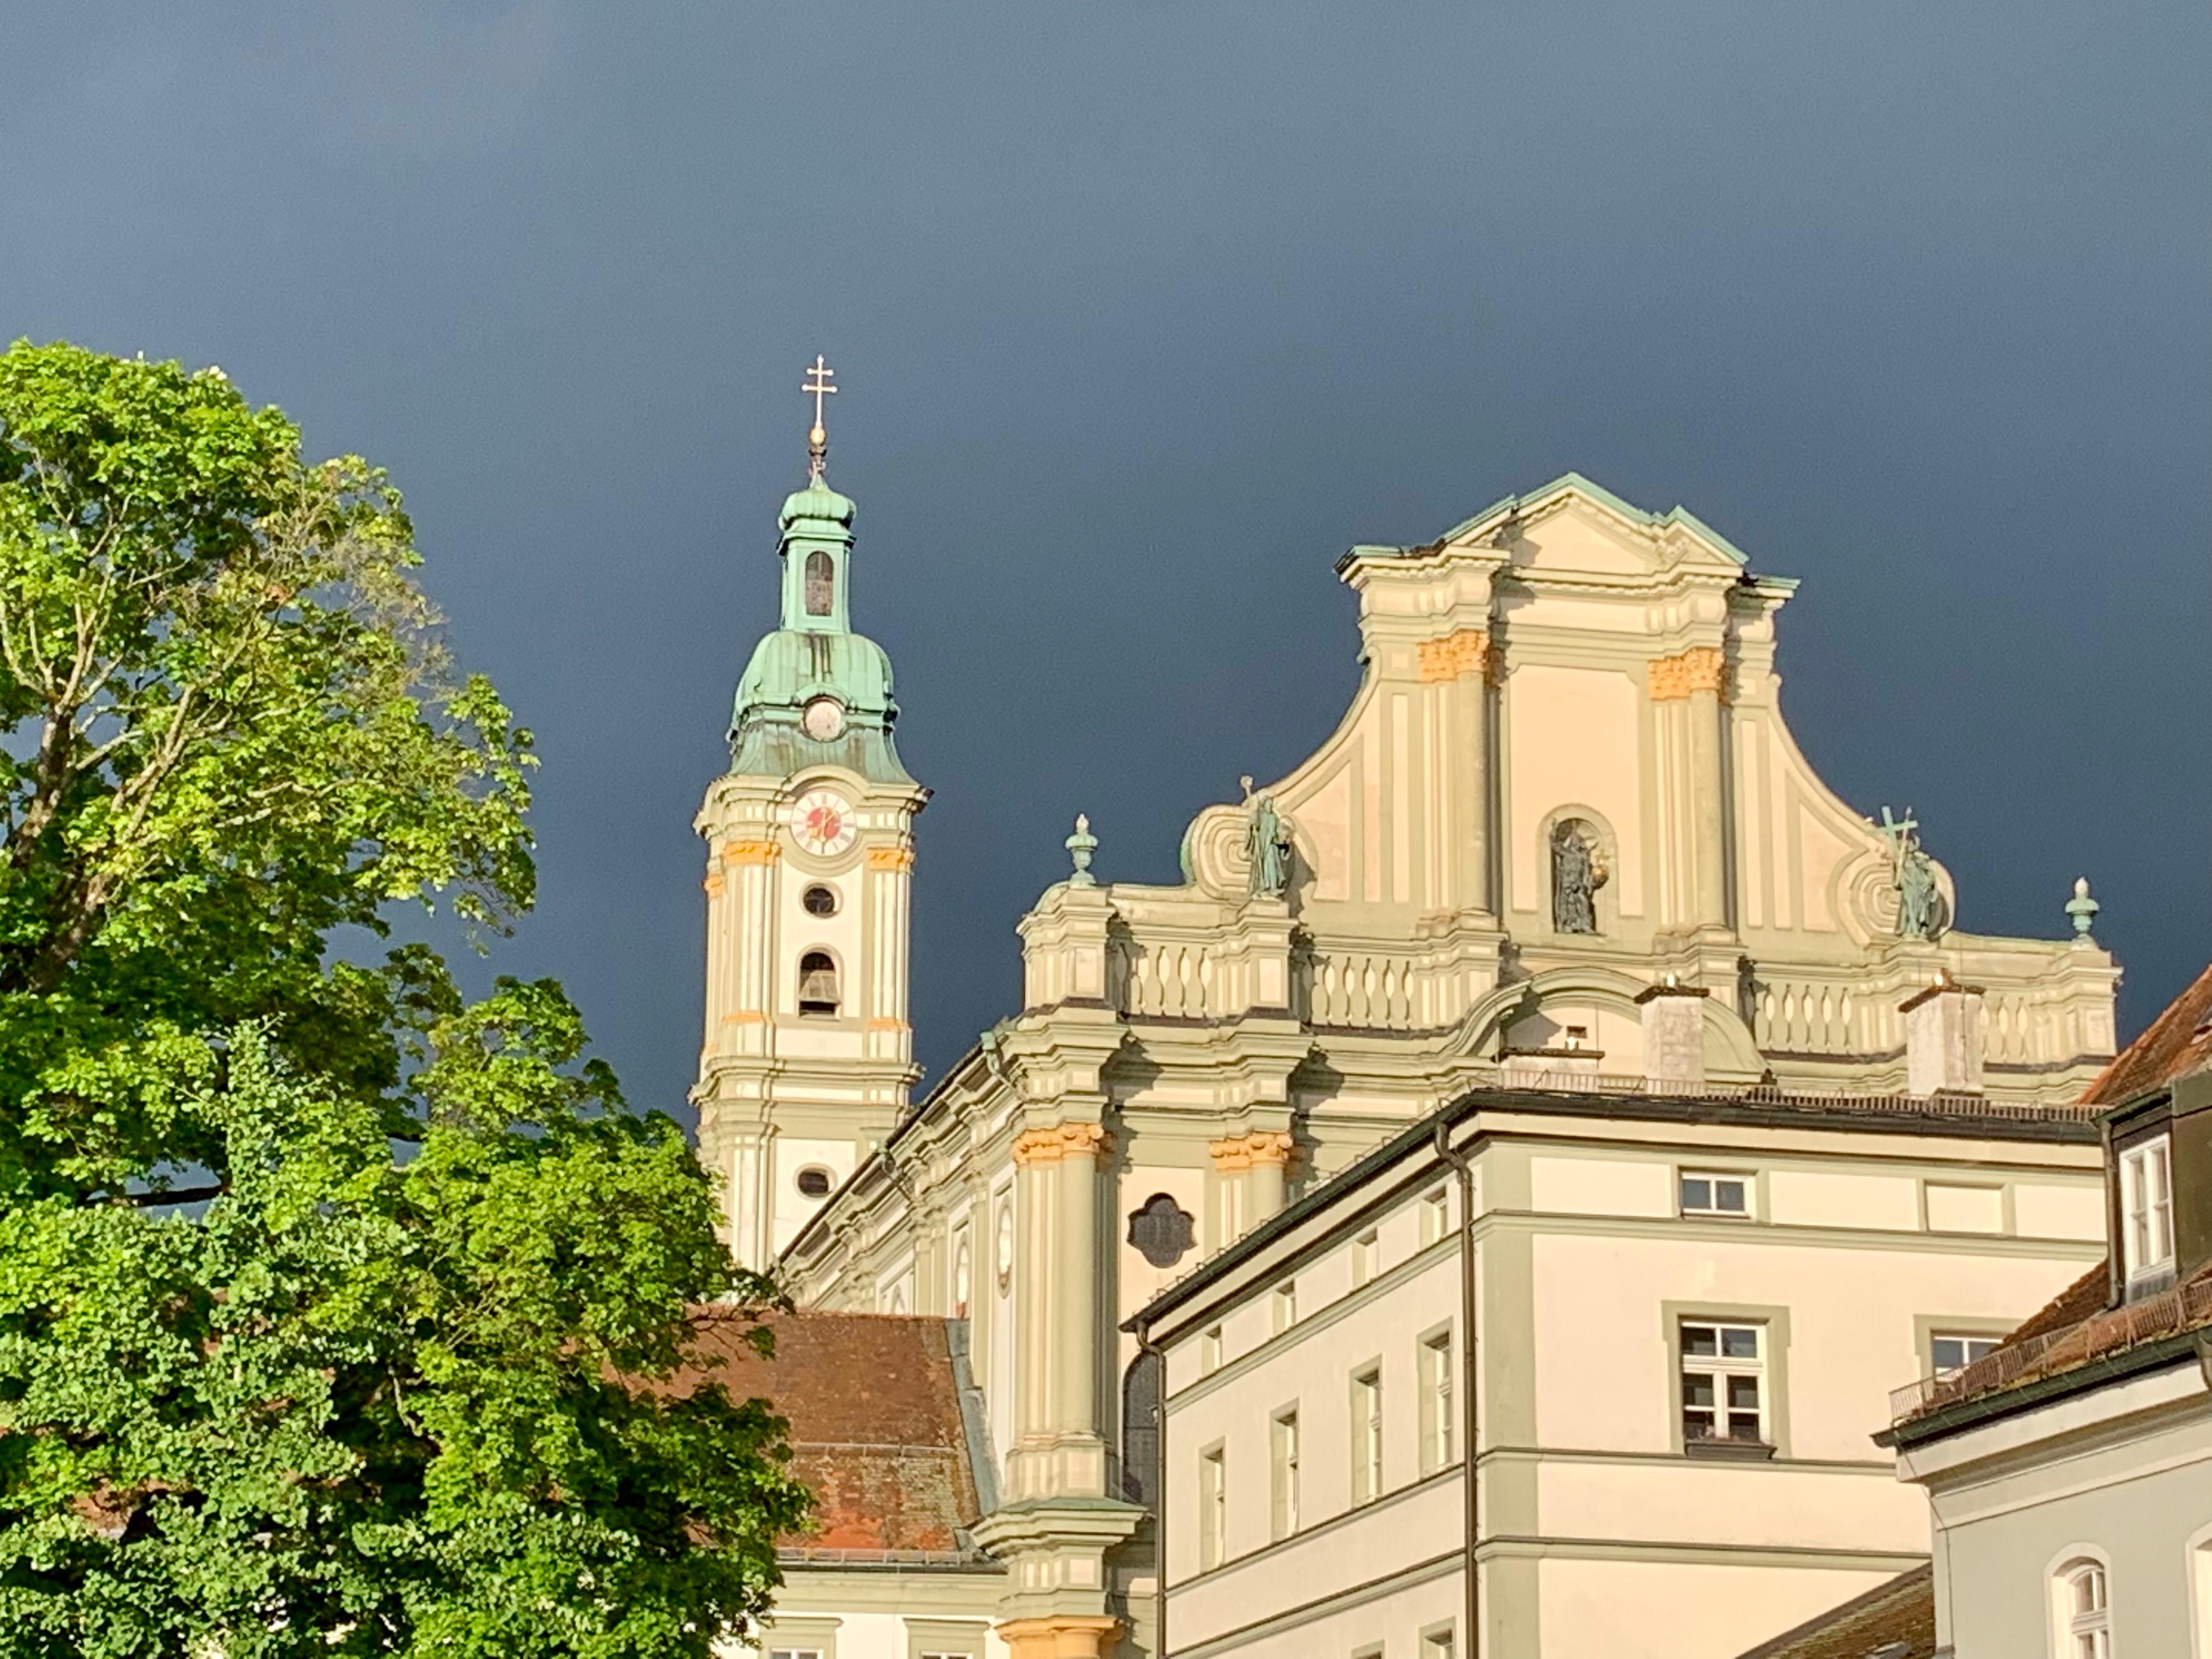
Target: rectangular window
{"x":1436,"y":1216}
{"x":1209,"y":1351}
{"x":1212,"y":1511}
{"x":1286,"y":1305}
{"x":1366,"y":1255}
{"x":1951,"y":1351}
{"x":2147,"y":1208}
{"x":1723,"y":1381}
{"x":1283,"y":1493}
{"x":1436,"y":1422}
{"x":1367,"y":1435}
{"x":1707,"y":1193}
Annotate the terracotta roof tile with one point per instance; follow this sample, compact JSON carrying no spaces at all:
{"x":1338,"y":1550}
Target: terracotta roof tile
{"x":1895,"y":1621}
{"x":876,"y":1432}
{"x":2178,"y":1041}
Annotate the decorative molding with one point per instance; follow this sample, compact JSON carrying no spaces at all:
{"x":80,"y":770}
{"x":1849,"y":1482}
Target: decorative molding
{"x":1701,"y":668}
{"x":1243,"y":1152}
{"x":713,"y":884}
{"x":1061,"y":1140}
{"x":1467,"y":652}
{"x":890,"y":858}
{"x":746,"y":1017}
{"x":750,"y":852}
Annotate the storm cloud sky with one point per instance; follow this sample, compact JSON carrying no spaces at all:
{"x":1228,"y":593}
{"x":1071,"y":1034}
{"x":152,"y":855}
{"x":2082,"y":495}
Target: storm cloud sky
{"x":1141,"y":313}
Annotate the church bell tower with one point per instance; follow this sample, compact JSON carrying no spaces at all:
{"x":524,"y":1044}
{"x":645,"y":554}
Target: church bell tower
{"x":808,"y":1055}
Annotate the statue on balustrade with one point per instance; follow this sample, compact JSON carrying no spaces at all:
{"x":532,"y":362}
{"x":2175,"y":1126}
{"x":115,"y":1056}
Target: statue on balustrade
{"x":1267,"y":846}
{"x":1919,"y":905}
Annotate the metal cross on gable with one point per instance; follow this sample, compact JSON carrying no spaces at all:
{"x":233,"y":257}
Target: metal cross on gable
{"x":1898,"y":831}
{"x":817,"y":383}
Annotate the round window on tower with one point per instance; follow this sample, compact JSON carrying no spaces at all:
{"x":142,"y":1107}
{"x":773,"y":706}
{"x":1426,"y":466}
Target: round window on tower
{"x":819,"y":900}
{"x":823,"y":719}
{"x":814,"y":1181}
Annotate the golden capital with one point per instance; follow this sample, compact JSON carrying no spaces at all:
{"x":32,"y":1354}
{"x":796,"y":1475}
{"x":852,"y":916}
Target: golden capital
{"x":713,"y":884}
{"x":1061,"y":1140}
{"x":890,"y":858}
{"x":749,"y":852}
{"x":1701,"y":668}
{"x":1243,"y":1152}
{"x":1467,"y":652}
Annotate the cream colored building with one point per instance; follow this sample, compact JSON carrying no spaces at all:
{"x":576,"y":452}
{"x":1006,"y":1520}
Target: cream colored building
{"x":1564,"y":785}
{"x":1687,"y":1317}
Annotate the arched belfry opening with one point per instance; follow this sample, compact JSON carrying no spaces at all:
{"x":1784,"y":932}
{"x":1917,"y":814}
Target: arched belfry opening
{"x":821,"y":584}
{"x":817,"y":984}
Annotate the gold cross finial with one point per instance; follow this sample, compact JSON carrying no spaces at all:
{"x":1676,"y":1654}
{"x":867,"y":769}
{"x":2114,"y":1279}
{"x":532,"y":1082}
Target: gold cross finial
{"x":818,"y":439}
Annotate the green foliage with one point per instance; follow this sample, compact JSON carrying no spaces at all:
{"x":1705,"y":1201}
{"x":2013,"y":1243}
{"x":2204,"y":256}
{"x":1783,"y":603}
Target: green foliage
{"x":336,"y":1316}
{"x":231,"y":730}
{"x":364,"y":1407}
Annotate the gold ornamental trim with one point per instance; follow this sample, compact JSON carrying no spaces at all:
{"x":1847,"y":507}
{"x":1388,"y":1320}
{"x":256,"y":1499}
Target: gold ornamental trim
{"x":1455,"y":656}
{"x":713,"y":884}
{"x":1261,"y":1147}
{"x":890,"y":858}
{"x":1060,"y":1141}
{"x":1701,"y":668}
{"x":750,"y":852}
{"x":746,"y":1017}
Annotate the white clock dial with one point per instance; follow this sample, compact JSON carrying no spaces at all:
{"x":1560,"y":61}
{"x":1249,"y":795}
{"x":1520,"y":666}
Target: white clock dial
{"x":823,"y":822}
{"x":822,"y":719}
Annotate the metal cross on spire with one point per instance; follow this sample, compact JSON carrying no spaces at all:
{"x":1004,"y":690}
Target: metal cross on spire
{"x":817,"y":439}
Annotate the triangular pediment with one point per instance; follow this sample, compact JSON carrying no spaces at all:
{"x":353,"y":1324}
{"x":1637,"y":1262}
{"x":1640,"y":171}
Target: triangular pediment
{"x":1574,"y":527}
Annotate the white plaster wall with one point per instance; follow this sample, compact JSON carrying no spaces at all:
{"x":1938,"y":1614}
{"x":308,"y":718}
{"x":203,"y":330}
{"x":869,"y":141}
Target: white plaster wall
{"x":791,"y":1207}
{"x":1602,"y":1365}
{"x":1824,"y":1198}
{"x":1601,"y":1186}
{"x":1682,"y":1610}
{"x":2046,"y":1212}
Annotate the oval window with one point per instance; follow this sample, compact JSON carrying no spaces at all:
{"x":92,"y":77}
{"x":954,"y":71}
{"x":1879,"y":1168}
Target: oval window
{"x":814,"y":1181}
{"x":819,"y":900}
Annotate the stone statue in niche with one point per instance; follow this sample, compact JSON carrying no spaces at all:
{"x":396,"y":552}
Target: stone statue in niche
{"x":1577,"y":871}
{"x":1266,"y":845}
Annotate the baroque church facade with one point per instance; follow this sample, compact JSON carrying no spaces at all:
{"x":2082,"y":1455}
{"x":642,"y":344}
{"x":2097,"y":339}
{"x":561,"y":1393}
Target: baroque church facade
{"x":1562,"y":839}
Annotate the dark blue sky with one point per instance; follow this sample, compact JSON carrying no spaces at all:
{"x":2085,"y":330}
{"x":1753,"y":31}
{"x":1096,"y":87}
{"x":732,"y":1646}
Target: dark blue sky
{"x":1142,"y":312}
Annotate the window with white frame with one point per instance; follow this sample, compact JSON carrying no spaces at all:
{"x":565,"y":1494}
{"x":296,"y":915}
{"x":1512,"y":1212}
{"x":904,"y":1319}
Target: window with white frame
{"x":2147,"y":1209}
{"x":1723,"y":1381}
{"x":1367,"y":1434}
{"x":2080,"y":1606}
{"x":1436,"y":1216}
{"x":1436,"y":1402}
{"x":1283,"y":1474}
{"x":1286,"y":1305}
{"x":1212,"y":1510}
{"x":1711,"y":1192}
{"x":1953,"y":1351}
{"x":1366,"y":1256}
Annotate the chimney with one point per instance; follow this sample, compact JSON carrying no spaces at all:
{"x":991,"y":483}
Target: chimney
{"x":1674,"y":1037}
{"x":1943,"y":1039}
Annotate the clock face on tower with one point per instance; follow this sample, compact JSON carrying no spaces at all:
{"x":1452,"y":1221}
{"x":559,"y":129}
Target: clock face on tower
{"x":823,"y":822}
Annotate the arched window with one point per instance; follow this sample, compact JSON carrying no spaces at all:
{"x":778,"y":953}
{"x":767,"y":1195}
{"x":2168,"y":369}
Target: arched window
{"x":2082,"y":1606}
{"x":964,"y":1278}
{"x":1141,"y":1428}
{"x":817,"y":983}
{"x":821,"y":584}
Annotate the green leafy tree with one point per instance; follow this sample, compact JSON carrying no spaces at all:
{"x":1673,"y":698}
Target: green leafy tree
{"x":337,"y":1315}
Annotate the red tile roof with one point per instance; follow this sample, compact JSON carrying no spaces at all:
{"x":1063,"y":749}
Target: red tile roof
{"x":2077,"y":1327}
{"x":877,"y":1430}
{"x":2179,"y":1039}
{"x":1895,"y":1621}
